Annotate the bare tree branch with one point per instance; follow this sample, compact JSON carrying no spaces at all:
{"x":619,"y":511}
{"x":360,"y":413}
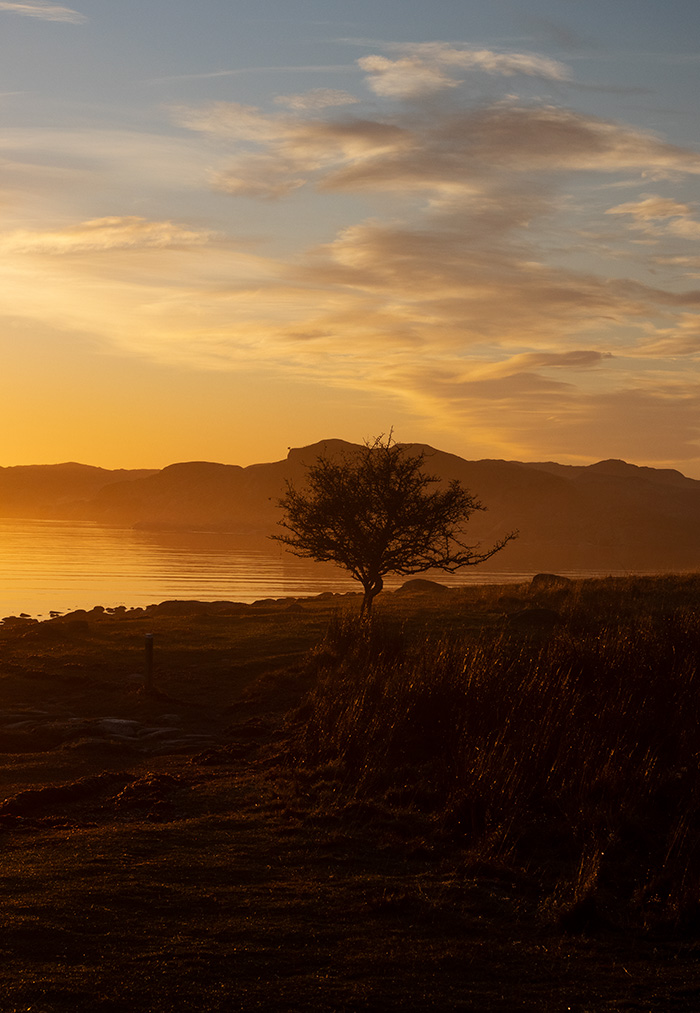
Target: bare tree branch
{"x":373,"y":512}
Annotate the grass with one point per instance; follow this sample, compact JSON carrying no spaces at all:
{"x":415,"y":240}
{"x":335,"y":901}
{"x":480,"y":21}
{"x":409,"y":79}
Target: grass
{"x":484,"y":800}
{"x":571,"y":755}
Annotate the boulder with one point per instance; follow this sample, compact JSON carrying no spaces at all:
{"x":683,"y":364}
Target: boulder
{"x":548,"y":582}
{"x":420,"y":585}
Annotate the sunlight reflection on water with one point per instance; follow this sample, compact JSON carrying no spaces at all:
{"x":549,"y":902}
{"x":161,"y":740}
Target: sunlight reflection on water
{"x":61,"y":566}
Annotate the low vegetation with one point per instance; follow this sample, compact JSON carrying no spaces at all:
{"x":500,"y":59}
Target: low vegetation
{"x":569,"y":754}
{"x":483,"y":798}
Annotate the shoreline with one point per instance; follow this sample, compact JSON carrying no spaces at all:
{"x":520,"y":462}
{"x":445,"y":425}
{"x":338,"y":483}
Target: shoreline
{"x":449,"y":581}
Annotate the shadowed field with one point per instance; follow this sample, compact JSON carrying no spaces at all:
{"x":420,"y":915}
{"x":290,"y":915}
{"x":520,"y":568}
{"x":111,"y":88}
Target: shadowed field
{"x":487,"y":799}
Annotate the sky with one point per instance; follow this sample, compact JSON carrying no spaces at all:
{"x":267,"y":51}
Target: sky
{"x":237,"y":226}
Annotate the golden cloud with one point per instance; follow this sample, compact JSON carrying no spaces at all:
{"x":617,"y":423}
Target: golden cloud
{"x":651,"y":208}
{"x":103,"y":234}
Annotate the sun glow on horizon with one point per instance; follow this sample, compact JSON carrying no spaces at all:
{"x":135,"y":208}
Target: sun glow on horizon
{"x":488,"y":245}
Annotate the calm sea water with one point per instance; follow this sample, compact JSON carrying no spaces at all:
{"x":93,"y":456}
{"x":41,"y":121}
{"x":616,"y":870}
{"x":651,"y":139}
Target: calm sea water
{"x":61,"y":566}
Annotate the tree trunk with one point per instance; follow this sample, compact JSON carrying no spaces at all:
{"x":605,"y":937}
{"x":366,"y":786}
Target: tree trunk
{"x":372,"y":588}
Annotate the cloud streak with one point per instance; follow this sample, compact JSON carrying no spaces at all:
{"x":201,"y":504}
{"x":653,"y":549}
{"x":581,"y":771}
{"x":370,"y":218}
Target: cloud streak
{"x":651,"y":208}
{"x":317,"y":98}
{"x":660,"y":217}
{"x":103,"y":234}
{"x":45,"y":11}
{"x":425,"y":68}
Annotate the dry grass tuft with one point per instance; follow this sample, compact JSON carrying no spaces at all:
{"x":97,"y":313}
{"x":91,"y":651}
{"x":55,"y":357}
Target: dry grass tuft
{"x":571,"y":753}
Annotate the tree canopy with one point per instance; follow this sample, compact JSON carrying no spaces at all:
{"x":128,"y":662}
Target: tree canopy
{"x":373,"y":511}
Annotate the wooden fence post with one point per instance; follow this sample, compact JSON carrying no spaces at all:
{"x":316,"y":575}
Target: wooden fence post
{"x":148,"y":680}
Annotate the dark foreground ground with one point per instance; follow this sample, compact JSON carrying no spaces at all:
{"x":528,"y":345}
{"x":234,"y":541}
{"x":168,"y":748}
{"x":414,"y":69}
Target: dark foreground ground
{"x":160,"y":855}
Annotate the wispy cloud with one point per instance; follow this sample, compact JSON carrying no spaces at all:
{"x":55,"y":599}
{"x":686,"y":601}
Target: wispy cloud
{"x":317,"y":98}
{"x":660,"y":216}
{"x":651,"y":208}
{"x":104,"y":234}
{"x":278,"y":153}
{"x":425,"y":68}
{"x":46,"y":11}
{"x":74,"y":157}
{"x":517,"y":365}
{"x":241,"y":71}
{"x":458,"y":151}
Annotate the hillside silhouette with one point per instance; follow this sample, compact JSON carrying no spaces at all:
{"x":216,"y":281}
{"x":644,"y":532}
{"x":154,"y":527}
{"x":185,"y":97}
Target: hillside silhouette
{"x":610,"y":514}
{"x":50,"y":491}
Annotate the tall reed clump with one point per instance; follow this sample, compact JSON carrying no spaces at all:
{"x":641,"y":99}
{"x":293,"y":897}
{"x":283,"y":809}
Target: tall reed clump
{"x":573,"y":755}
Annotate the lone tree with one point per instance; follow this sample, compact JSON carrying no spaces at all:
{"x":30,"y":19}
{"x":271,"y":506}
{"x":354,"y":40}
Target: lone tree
{"x":372,"y":512}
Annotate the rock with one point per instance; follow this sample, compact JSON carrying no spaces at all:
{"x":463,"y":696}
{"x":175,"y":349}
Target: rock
{"x":178,"y":608}
{"x":548,"y":582}
{"x":420,"y":585}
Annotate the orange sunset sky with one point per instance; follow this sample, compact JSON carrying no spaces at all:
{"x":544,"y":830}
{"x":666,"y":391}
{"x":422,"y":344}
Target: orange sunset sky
{"x":231,"y":228}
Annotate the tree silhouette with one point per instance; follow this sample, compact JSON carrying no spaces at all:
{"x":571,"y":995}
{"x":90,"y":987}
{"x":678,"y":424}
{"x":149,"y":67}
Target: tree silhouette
{"x":372,"y":512}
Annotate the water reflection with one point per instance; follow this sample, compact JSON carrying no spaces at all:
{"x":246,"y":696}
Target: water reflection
{"x":55,"y":565}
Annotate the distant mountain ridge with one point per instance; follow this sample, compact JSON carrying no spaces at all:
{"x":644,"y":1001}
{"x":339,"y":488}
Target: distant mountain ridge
{"x":618,"y":468}
{"x":45,"y":490}
{"x":608,"y":515}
